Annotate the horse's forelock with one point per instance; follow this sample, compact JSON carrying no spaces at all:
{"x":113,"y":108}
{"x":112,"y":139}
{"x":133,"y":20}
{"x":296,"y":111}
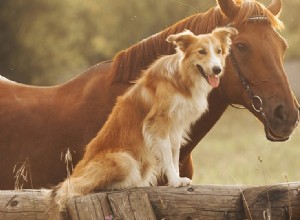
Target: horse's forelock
{"x":251,"y":8}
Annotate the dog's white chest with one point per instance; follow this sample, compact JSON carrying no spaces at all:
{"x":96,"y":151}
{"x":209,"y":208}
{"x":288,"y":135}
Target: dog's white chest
{"x":184,"y":108}
{"x":190,"y":109}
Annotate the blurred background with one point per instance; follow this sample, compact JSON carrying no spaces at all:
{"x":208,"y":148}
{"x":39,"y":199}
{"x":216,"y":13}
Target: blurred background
{"x":51,"y":41}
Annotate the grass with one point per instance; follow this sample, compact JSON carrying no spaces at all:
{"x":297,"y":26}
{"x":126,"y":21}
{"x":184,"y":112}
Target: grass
{"x":237,"y":152}
{"x":22,"y":174}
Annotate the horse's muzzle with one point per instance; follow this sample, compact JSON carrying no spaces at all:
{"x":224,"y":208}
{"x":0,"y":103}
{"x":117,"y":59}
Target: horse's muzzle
{"x":281,"y":125}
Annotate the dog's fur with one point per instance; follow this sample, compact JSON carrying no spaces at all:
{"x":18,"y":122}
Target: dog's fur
{"x":140,"y":142}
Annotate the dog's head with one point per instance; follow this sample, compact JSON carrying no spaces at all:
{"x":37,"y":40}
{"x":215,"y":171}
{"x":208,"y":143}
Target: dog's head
{"x":207,"y":52}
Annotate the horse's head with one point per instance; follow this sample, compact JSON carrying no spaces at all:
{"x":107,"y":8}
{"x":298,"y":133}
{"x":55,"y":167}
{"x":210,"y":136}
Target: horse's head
{"x":255,"y":75}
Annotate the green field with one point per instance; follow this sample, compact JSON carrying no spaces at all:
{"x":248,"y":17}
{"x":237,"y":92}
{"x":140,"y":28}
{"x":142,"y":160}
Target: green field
{"x":237,"y":152}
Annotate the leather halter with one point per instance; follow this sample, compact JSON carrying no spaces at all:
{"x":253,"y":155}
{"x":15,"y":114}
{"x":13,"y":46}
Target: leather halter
{"x":256,"y":101}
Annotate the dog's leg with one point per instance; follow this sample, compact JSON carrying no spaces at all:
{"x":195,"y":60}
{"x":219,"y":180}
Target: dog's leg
{"x":176,"y":160}
{"x":176,"y":140}
{"x":156,"y":132}
{"x":168,"y":166}
{"x":161,"y":148}
{"x":175,"y":156}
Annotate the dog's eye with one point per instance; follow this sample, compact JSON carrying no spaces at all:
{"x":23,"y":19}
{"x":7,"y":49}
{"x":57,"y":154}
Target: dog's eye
{"x":202,"y":51}
{"x":219,"y":51}
{"x":241,"y":47}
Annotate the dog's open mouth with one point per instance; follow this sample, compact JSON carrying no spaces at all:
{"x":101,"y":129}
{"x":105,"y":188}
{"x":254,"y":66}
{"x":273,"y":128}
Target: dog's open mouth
{"x":212,"y":80}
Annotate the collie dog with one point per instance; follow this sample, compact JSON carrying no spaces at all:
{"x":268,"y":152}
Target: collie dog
{"x":140,"y":141}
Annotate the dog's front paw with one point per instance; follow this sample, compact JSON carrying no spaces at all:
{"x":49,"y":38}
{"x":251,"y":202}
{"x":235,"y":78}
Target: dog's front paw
{"x":180,"y":181}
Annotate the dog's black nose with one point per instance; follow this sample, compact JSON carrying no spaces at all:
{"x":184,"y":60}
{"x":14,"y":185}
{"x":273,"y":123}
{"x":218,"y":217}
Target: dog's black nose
{"x":216,"y":70}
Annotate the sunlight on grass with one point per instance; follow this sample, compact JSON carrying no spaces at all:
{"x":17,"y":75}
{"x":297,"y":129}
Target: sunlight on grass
{"x":237,"y":152}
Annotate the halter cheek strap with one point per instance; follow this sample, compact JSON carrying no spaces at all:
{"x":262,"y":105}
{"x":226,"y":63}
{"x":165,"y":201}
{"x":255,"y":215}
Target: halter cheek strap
{"x":256,"y":101}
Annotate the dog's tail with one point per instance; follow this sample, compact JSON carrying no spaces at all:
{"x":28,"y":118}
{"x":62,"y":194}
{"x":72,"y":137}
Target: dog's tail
{"x":52,"y":211}
{"x":117,"y":170}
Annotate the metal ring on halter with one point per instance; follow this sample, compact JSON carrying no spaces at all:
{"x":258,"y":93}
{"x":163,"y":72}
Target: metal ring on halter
{"x":259,"y":108}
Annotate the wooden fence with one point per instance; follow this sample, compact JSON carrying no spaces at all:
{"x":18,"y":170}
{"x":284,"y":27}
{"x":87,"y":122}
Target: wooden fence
{"x":273,"y":202}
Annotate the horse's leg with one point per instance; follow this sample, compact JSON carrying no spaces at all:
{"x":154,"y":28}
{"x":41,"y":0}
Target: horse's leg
{"x":217,"y":107}
{"x":187,"y":167}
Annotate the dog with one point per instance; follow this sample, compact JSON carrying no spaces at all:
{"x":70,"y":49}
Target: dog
{"x":140,"y":142}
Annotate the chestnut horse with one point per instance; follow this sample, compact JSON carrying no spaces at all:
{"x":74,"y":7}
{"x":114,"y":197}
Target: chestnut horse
{"x":38,"y":124}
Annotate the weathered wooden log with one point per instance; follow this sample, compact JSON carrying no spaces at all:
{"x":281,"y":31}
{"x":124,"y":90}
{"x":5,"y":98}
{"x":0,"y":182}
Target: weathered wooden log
{"x":279,"y":202}
{"x":107,"y":206}
{"x":276,"y":202}
{"x":194,"y":202}
{"x":22,"y":205}
{"x":94,"y":206}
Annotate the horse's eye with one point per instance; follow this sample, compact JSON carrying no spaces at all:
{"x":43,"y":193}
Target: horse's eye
{"x":219,"y":51}
{"x":202,"y":52}
{"x":241,"y":47}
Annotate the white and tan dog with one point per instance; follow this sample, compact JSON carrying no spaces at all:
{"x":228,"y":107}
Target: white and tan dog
{"x":140,"y":141}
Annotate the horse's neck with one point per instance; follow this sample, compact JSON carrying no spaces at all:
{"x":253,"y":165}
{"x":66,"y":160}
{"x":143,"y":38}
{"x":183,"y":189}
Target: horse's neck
{"x":129,"y":63}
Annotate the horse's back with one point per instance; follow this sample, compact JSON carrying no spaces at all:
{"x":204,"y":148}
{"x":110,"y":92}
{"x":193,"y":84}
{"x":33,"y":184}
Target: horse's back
{"x":41,"y":123}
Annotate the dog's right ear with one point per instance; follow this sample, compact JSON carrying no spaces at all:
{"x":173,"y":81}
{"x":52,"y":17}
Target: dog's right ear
{"x":224,"y":33}
{"x":182,"y":40}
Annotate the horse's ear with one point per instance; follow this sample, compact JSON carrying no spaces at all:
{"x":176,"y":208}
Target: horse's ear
{"x":182,"y":40}
{"x":275,"y":7}
{"x":229,"y":8}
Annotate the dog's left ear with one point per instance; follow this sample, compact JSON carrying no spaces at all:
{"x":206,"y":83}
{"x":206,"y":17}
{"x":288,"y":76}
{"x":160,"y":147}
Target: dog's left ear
{"x":224,"y":34}
{"x":182,"y":40}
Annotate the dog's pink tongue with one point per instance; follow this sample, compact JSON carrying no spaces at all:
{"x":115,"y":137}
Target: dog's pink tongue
{"x":214,"y":81}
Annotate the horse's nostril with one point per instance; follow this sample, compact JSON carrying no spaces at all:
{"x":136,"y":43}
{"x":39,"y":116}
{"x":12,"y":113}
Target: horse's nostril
{"x":216,"y":70}
{"x":280,"y":114}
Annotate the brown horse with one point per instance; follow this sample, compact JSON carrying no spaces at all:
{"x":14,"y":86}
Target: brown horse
{"x":40,"y":123}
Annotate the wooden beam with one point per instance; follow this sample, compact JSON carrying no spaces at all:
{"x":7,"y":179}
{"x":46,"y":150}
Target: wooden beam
{"x":25,"y":205}
{"x":281,"y":201}
{"x":133,"y":204}
{"x":218,"y":202}
{"x":194,"y":202}
{"x":197,"y":202}
{"x":93,"y":207}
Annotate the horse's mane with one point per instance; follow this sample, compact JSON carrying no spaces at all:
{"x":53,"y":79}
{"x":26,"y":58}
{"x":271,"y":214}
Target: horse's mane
{"x":129,"y":63}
